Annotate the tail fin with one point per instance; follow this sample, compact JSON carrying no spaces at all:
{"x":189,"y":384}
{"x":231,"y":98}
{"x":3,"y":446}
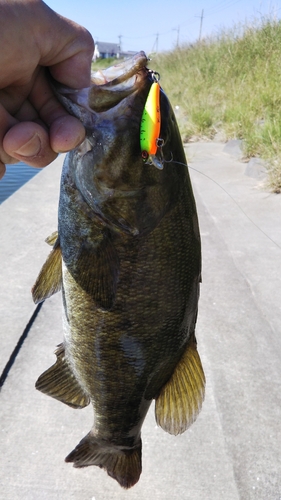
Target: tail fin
{"x":122,"y":465}
{"x":180,"y":399}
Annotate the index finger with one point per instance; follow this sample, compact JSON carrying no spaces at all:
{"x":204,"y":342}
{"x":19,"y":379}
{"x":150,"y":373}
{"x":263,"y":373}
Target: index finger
{"x":66,"y":131}
{"x":44,"y":100}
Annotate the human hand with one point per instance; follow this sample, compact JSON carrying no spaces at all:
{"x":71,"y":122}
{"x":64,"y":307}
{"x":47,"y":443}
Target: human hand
{"x":34,"y":126}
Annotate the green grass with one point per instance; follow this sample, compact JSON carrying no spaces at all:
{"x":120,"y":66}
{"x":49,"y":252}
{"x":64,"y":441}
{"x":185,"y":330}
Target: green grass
{"x":104,"y":63}
{"x":230,"y":84}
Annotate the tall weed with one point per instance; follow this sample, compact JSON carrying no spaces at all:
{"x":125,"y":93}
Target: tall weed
{"x":230,"y":83}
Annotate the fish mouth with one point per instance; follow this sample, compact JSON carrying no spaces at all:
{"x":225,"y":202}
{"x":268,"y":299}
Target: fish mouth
{"x":121,"y":73}
{"x":109,"y":86}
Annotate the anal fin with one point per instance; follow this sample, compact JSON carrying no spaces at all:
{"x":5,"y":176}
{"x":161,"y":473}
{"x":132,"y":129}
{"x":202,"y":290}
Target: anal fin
{"x":50,"y":277}
{"x":122,"y":465}
{"x":180,"y":399}
{"x":60,"y":383}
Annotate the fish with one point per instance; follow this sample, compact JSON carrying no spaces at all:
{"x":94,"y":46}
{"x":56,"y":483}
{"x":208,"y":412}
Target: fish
{"x":127,"y":257}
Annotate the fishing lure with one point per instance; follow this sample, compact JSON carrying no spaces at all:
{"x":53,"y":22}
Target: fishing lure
{"x":150,"y":125}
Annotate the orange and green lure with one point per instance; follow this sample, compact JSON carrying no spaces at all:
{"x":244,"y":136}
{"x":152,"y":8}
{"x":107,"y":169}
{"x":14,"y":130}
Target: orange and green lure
{"x":150,"y":126}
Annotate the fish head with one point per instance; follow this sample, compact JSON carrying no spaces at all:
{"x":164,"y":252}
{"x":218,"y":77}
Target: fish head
{"x":124,"y":188}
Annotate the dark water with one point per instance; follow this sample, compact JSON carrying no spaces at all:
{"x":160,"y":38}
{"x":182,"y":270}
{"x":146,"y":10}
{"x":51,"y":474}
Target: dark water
{"x":15,"y":176}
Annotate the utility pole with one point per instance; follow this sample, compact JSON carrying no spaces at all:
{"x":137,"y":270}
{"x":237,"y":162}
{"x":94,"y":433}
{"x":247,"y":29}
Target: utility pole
{"x":156,"y":42}
{"x":201,"y":24}
{"x":178,"y":35}
{"x":120,"y":42}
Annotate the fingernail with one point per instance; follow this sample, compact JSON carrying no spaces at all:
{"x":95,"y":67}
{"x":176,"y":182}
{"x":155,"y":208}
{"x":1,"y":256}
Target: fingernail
{"x":31,"y":147}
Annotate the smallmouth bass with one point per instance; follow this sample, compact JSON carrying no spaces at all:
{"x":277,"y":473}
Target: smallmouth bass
{"x":127,"y":256}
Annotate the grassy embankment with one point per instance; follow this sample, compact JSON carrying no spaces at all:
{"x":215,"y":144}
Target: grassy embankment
{"x":230,"y":84}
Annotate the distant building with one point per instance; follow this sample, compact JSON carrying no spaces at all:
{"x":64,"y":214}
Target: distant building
{"x":127,"y":53}
{"x":104,"y":50}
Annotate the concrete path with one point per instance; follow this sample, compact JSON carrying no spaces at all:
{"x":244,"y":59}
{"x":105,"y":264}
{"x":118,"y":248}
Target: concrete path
{"x":233,"y":451}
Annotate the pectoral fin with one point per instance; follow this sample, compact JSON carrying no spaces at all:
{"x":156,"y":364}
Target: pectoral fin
{"x":60,"y":383}
{"x":180,"y":399}
{"x":50,"y":277}
{"x":96,"y":271}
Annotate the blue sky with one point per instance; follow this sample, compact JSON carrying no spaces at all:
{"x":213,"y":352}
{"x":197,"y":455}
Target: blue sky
{"x":139,"y":22}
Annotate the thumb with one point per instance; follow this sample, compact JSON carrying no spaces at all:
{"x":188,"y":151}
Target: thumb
{"x":29,"y":142}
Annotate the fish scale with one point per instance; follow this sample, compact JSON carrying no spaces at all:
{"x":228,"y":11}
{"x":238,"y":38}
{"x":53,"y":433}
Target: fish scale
{"x":127,"y":256}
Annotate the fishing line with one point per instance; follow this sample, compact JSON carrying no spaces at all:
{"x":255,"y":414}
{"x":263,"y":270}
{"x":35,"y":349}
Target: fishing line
{"x":230,"y":196}
{"x":17,"y":349}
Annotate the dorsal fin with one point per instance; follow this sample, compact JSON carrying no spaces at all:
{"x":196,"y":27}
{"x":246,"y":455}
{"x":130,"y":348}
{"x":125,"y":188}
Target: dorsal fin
{"x":52,"y":239}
